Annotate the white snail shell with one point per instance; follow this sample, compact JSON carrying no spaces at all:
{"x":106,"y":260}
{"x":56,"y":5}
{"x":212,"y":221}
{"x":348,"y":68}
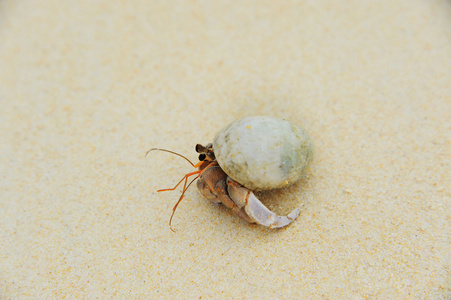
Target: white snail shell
{"x":263,"y":153}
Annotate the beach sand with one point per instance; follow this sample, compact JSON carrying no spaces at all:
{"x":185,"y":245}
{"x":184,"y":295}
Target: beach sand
{"x":87,"y":87}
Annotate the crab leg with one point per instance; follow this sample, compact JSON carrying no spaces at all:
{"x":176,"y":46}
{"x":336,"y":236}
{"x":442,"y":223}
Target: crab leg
{"x":255,"y":209}
{"x":262,"y":215}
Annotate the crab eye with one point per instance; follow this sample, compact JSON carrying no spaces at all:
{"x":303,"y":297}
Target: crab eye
{"x":202,"y":157}
{"x":200,"y":148}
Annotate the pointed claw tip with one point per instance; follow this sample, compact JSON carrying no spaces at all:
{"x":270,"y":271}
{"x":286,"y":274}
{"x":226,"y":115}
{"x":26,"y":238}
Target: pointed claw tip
{"x":295,"y":213}
{"x":285,"y":221}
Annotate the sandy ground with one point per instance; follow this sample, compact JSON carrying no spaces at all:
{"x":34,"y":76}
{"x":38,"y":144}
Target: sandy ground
{"x":87,"y":87}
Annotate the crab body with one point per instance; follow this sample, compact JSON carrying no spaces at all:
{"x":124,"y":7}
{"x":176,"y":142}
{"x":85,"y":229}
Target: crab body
{"x":217,"y":187}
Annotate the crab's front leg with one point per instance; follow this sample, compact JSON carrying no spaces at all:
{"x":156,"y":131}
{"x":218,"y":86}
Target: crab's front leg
{"x":255,"y":210}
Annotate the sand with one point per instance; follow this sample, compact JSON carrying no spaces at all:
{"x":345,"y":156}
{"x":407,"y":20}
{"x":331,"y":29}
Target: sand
{"x":87,"y":87}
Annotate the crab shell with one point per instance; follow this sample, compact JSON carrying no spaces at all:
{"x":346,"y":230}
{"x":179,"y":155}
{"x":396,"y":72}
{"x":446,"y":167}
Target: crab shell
{"x":263,"y":153}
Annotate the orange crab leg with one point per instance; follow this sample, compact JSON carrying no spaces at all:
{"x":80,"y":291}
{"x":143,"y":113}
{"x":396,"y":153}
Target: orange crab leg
{"x":202,"y":165}
{"x":180,"y":200}
{"x":184,"y":178}
{"x":185,"y":187}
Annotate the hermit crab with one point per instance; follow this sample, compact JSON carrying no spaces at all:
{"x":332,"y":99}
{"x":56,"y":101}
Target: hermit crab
{"x":250,"y":154}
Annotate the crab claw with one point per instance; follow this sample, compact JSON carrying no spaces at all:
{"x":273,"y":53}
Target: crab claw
{"x":258,"y":212}
{"x":262,"y":215}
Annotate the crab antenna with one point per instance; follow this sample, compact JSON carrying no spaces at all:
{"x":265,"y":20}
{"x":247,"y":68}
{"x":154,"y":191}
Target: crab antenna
{"x":180,"y":199}
{"x":165,"y":150}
